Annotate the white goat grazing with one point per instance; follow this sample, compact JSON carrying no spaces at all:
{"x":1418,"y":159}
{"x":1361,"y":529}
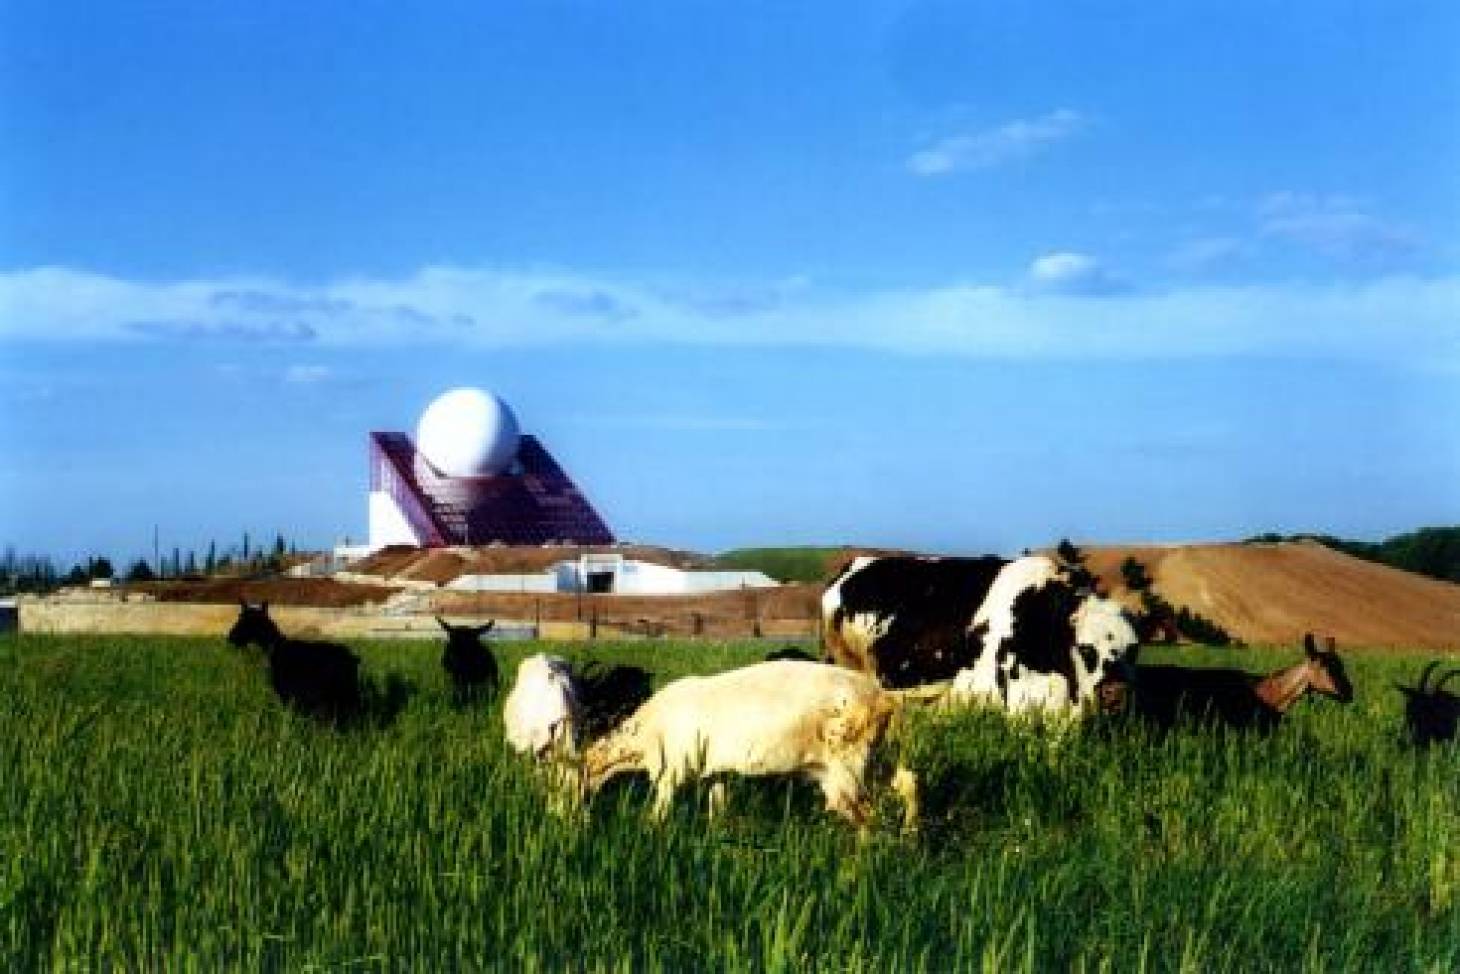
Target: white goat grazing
{"x":781,"y":717}
{"x":542,"y":713}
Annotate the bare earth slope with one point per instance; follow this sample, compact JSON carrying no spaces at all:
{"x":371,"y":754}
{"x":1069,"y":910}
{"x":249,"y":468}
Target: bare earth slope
{"x":1273,"y":593}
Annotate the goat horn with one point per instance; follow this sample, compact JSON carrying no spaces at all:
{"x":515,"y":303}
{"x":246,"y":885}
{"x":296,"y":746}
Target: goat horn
{"x":1424,"y":676}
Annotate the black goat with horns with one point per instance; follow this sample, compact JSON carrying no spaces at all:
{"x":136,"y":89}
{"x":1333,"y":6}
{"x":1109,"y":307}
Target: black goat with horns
{"x":1431,"y":711}
{"x":468,"y":662}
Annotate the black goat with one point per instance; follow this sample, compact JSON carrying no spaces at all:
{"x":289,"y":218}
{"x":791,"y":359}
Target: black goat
{"x":1432,"y":712}
{"x":468,"y":662}
{"x":607,"y":695}
{"x":1166,"y":694}
{"x":316,"y":678}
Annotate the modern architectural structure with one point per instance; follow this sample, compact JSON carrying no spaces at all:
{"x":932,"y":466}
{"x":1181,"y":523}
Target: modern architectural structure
{"x":611,"y":573}
{"x":472,"y":478}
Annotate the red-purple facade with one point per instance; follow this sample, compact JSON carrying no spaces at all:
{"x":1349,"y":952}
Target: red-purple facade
{"x":533,"y":503}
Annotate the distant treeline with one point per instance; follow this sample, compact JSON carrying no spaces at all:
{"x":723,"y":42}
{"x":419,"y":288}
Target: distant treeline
{"x":1429,"y":551}
{"x":24,"y":572}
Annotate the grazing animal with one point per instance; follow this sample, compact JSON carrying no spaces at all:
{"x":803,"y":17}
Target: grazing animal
{"x":467,"y":661}
{"x":1046,"y":646}
{"x":1165,"y":695}
{"x":317,"y":678}
{"x":553,"y":709}
{"x":780,"y":717}
{"x":905,"y":620}
{"x":542,"y":714}
{"x":607,"y":695}
{"x":1020,"y":635}
{"x":1431,"y":712}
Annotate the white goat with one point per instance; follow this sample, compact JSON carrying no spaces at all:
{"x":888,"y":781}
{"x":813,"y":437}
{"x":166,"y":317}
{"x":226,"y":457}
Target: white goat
{"x":780,"y":717}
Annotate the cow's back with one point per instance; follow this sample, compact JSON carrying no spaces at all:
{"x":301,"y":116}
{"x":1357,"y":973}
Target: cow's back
{"x":906,"y":620}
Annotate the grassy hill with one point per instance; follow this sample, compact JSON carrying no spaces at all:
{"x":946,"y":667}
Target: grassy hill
{"x":797,"y":564}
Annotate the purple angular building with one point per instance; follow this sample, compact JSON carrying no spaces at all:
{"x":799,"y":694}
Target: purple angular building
{"x":471,"y":478}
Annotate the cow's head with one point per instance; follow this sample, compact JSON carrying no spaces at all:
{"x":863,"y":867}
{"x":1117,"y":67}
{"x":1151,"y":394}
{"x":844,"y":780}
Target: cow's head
{"x":1105,"y":650}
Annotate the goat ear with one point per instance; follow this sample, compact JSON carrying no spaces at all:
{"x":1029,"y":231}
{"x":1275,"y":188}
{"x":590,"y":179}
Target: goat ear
{"x":483,"y":630}
{"x":443,"y":623}
{"x":264,"y":606}
{"x":242,"y":603}
{"x":1309,"y":646}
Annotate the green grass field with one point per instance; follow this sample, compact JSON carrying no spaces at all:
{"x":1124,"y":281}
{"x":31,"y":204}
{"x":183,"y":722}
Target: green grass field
{"x":158,"y":810}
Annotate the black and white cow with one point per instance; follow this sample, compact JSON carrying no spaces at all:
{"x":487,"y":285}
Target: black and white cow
{"x":906,"y":620}
{"x":1016,"y":634}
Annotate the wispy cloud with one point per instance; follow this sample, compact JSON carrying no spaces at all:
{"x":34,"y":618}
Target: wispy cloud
{"x":1206,"y":253}
{"x":1339,"y":227}
{"x":594,"y":303}
{"x":995,"y":146}
{"x":307,"y":375}
{"x":1066,"y":305}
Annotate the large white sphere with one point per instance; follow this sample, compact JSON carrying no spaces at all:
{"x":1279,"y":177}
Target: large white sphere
{"x":468,"y":433}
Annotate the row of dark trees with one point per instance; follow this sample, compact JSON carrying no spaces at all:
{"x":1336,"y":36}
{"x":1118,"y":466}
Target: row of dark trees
{"x":33,"y":573}
{"x":1429,"y":551}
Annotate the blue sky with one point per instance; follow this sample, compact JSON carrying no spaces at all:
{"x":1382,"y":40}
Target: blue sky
{"x":955,"y":276}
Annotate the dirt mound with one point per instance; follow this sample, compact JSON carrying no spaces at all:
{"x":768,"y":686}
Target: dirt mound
{"x":442,"y":565}
{"x":1273,"y":593}
{"x":323,"y":592}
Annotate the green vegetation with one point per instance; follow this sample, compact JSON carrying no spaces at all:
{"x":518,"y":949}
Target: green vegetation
{"x":1429,"y":551}
{"x":782,"y":564}
{"x":159,"y":811}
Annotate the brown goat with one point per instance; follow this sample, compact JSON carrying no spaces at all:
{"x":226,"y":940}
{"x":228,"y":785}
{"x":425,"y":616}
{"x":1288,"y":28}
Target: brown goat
{"x":1166,"y":694}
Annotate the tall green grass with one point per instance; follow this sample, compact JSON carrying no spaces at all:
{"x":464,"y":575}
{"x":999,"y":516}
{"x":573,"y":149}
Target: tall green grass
{"x":159,"y":810}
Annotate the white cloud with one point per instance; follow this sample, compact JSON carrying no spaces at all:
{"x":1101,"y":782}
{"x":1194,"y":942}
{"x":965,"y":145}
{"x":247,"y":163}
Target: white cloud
{"x":1071,"y":273}
{"x":995,"y":146}
{"x":1065,"y":307}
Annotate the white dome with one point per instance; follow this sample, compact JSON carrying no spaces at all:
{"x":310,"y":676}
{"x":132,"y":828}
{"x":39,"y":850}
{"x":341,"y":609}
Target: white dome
{"x":468,"y":433}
